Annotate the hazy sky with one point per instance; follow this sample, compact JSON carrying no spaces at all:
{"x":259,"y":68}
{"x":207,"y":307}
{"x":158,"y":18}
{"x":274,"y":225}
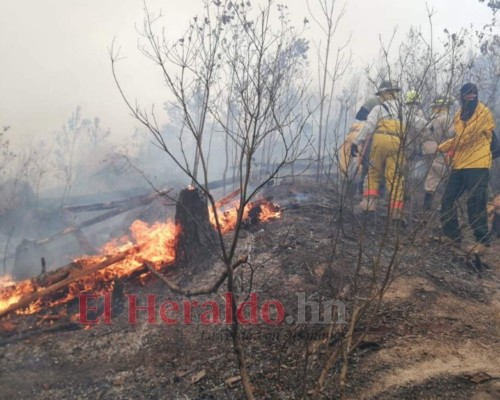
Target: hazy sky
{"x":54,"y":52}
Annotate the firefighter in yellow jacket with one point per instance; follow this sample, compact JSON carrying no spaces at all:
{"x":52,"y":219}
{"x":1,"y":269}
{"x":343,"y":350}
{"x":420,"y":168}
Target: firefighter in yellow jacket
{"x":349,"y":166}
{"x":386,"y":155}
{"x":441,"y":129}
{"x":470,"y":155}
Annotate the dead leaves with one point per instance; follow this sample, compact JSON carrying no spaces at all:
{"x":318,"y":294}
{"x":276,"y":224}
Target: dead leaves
{"x":231,"y":381}
{"x":198,"y":376}
{"x":194,"y":378}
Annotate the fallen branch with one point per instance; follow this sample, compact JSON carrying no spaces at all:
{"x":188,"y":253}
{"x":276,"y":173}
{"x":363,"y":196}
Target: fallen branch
{"x":73,"y":276}
{"x":100,"y":218}
{"x":51,"y":277}
{"x":227,"y":199}
{"x":133,"y":201}
{"x":196,"y":292}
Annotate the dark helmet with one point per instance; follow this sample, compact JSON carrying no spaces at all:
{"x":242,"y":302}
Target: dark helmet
{"x":387,"y":86}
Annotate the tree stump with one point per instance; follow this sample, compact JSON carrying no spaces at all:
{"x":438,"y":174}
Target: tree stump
{"x":195,"y":245}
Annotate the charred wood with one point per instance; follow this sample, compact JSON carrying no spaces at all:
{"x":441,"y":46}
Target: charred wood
{"x":221,"y":183}
{"x":207,"y":289}
{"x":100,"y":218}
{"x":136,"y":200}
{"x":44,"y":265}
{"x":227,"y":199}
{"x":73,"y":275}
{"x":76,"y":228}
{"x":194,"y":245}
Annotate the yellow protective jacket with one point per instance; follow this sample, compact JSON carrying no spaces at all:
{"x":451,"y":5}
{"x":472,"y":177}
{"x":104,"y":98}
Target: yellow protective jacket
{"x":382,"y":119}
{"x":470,"y":148}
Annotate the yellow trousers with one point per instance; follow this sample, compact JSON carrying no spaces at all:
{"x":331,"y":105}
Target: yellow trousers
{"x":386,"y":160}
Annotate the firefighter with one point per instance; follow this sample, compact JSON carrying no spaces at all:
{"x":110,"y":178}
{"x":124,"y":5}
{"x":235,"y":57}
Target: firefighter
{"x":470,"y":154}
{"x":365,"y":109}
{"x":441,"y":129}
{"x":383,"y":127}
{"x":415,"y":124}
{"x":348,"y":167}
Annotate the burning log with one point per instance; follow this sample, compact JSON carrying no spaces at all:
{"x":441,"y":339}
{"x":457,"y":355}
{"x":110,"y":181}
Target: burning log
{"x":155,"y":243}
{"x":73,"y":276}
{"x":189,"y":242}
{"x":254,"y":212}
{"x":227,"y":199}
{"x":194,"y":243}
{"x":49,"y":278}
{"x":117,"y":208}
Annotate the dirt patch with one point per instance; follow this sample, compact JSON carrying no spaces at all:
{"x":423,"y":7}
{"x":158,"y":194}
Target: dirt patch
{"x":438,"y":325}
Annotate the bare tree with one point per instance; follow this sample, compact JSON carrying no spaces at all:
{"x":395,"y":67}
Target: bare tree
{"x":66,"y":151}
{"x":330,"y":71}
{"x":493,"y":4}
{"x":416,"y":64}
{"x":239,"y":71}
{"x":248,"y":59}
{"x":75,"y":144}
{"x":6,"y":155}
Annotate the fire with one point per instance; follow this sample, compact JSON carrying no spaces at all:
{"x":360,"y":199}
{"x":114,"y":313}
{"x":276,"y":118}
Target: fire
{"x":6,"y":281}
{"x":269,"y":211}
{"x":260,"y":210}
{"x":11,"y":292}
{"x":154,"y":244}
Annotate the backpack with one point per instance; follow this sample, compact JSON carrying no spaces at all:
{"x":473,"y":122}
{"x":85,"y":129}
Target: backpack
{"x":495,"y":145}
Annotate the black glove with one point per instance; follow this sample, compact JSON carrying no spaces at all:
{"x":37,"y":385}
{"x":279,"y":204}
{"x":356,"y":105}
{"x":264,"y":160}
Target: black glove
{"x":354,"y":150}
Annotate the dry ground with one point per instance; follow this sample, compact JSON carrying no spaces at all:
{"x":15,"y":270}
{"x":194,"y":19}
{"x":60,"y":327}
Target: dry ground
{"x":436,"y":335}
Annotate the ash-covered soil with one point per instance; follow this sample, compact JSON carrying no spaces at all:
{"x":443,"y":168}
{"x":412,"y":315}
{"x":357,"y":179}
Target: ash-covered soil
{"x":435,"y":336}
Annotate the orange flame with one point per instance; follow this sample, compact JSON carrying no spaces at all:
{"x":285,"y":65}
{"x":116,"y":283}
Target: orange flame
{"x":11,"y":292}
{"x":154,"y":244}
{"x":228,"y":219}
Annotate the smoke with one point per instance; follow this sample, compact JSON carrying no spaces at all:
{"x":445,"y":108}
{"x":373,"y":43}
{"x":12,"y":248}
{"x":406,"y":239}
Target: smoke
{"x":78,"y":163}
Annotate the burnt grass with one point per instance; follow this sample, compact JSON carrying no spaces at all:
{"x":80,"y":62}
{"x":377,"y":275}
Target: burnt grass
{"x":313,"y":249}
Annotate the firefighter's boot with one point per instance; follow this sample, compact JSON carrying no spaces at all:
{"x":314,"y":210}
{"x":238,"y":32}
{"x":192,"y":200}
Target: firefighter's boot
{"x":396,"y":214}
{"x":369,"y":203}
